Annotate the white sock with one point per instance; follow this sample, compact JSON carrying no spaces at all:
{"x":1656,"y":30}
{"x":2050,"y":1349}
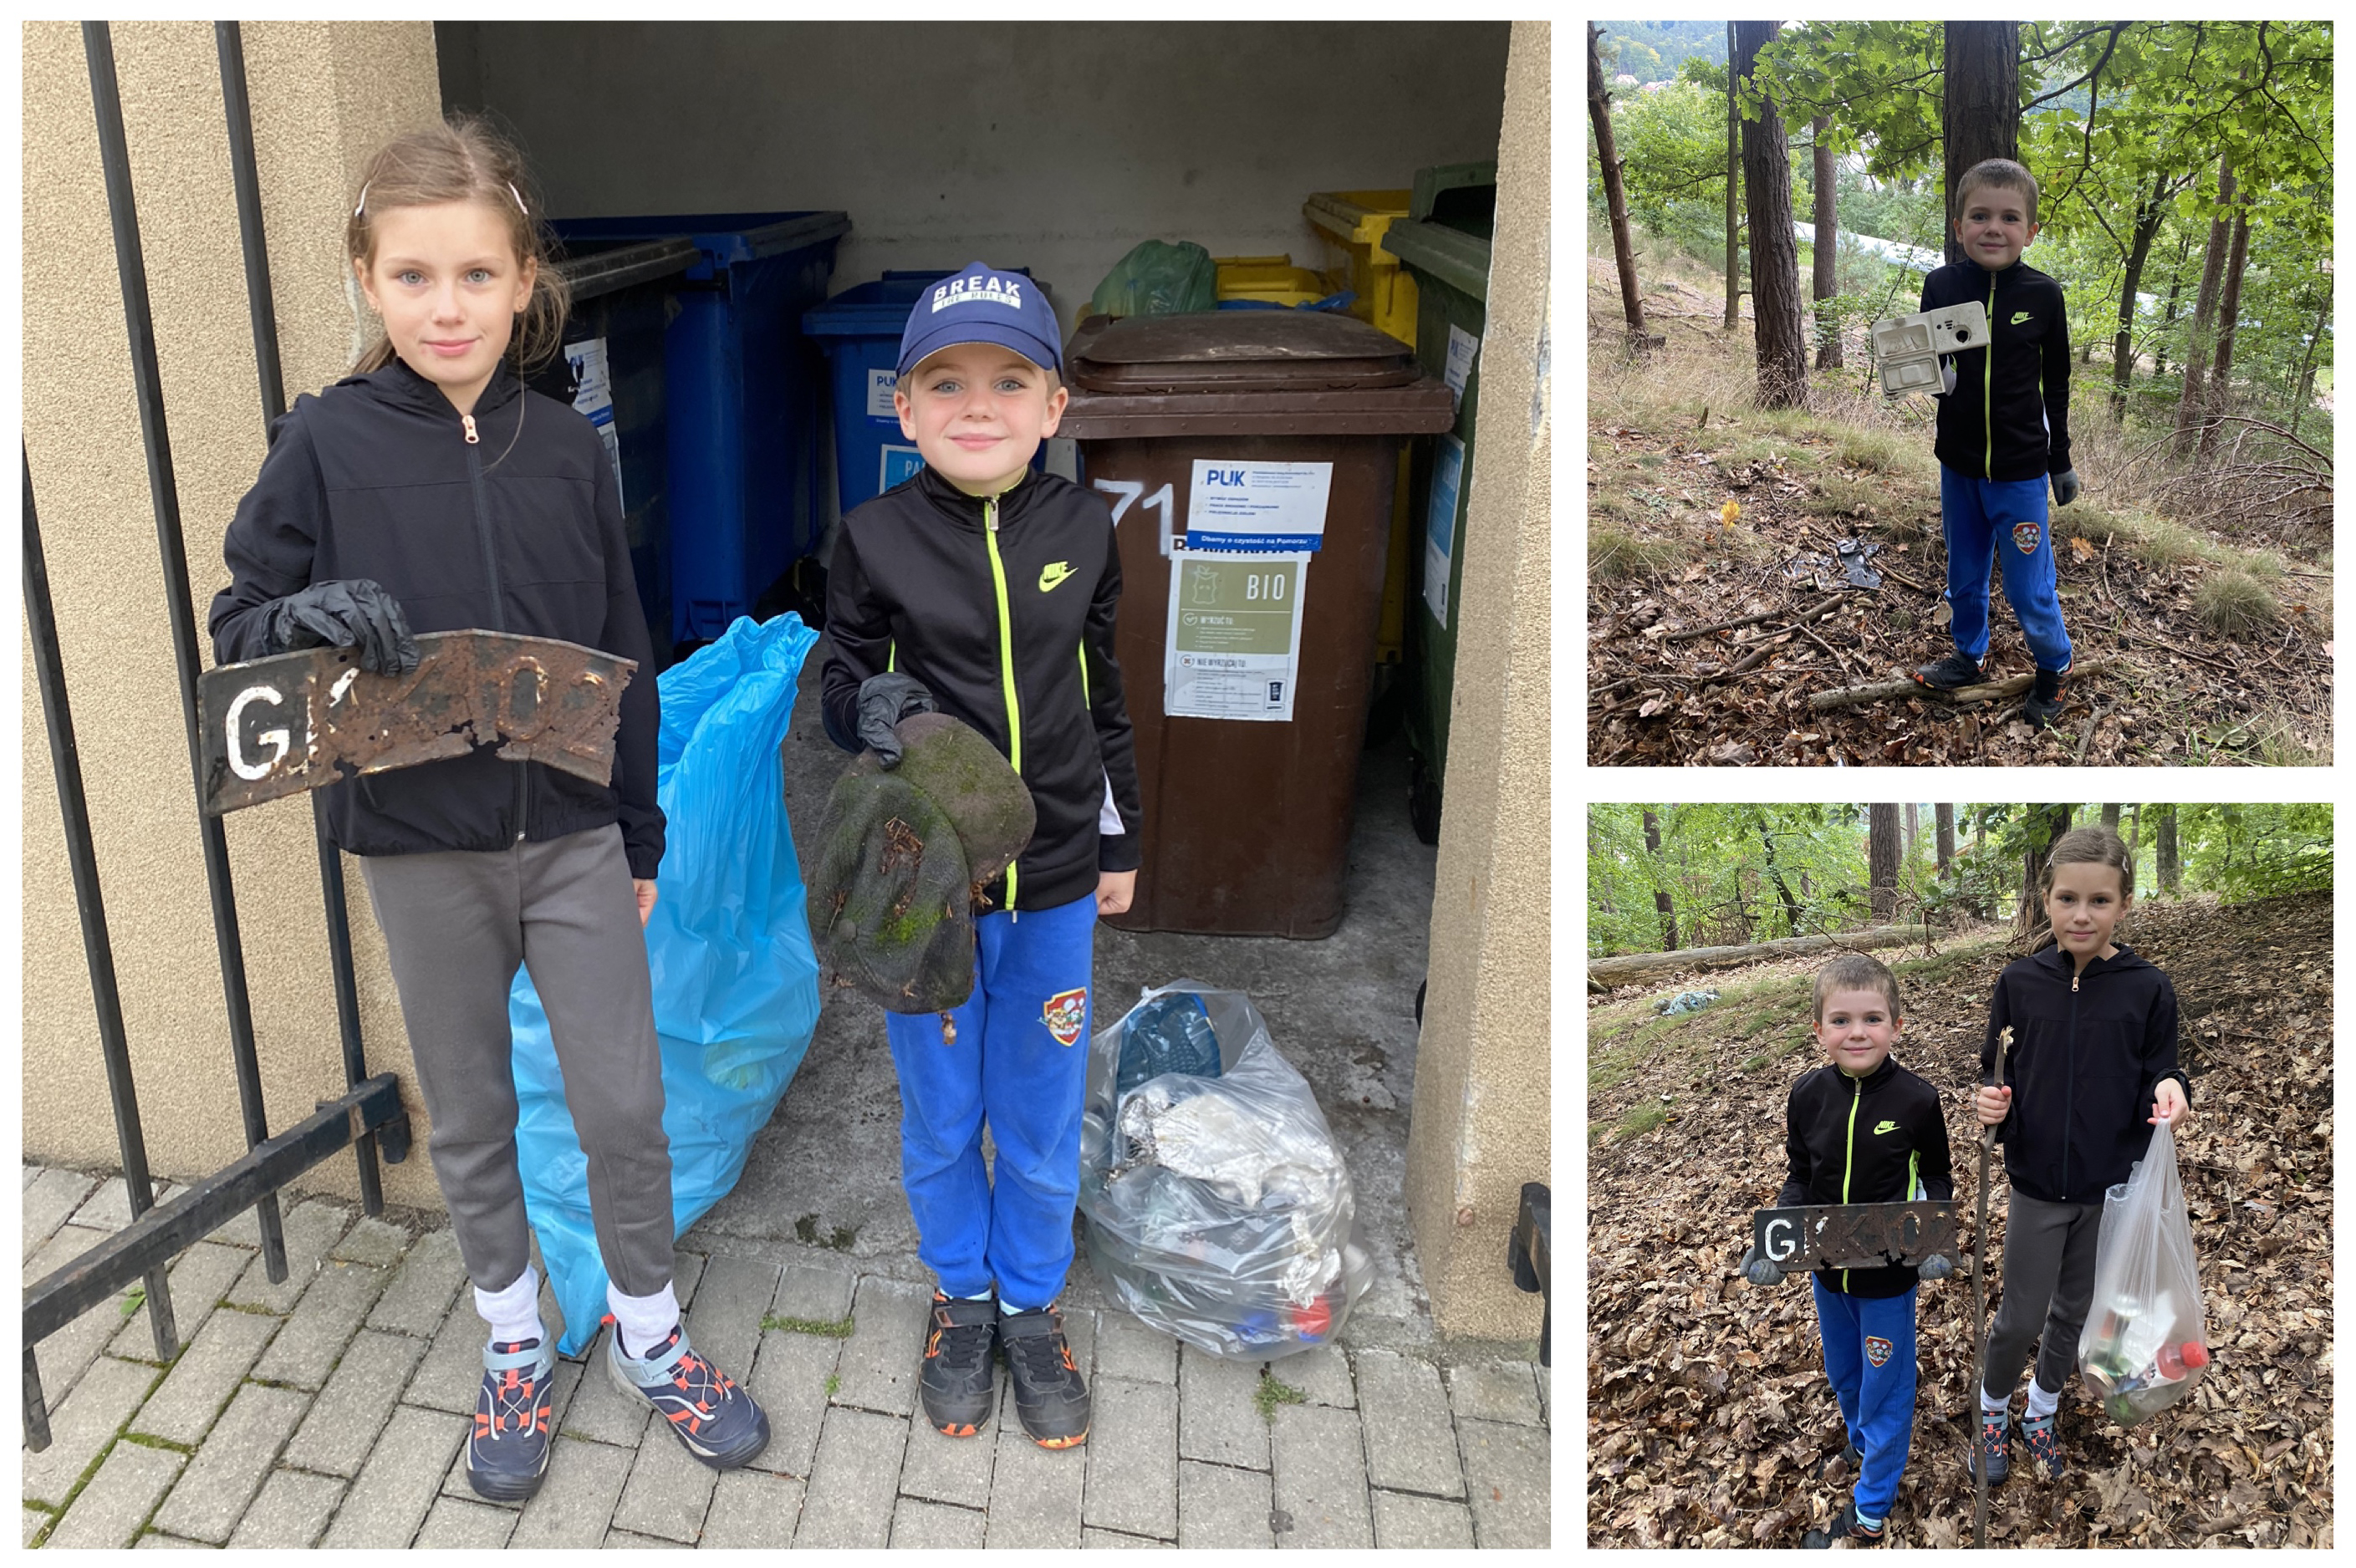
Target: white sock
{"x":2041,"y":1403}
{"x":642,"y":1322}
{"x":1996,"y":1406}
{"x":1010,"y":1309}
{"x":977,"y":1295}
{"x":513,"y":1312}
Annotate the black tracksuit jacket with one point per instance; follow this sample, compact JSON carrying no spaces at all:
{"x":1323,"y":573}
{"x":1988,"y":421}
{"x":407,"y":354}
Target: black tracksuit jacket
{"x":519,"y":530}
{"x":1877,"y":1139}
{"x":2088,"y":1054}
{"x":2009,"y":417}
{"x":1004,"y":611}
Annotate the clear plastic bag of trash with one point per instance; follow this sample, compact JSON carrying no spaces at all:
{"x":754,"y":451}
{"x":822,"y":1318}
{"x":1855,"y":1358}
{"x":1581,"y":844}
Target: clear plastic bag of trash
{"x":734,"y":972}
{"x":1217,"y":1210}
{"x":1158,"y":278}
{"x":2145,"y":1344}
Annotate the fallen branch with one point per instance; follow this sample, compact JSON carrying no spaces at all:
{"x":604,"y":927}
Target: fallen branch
{"x":1823,"y":609}
{"x":1962,"y":697}
{"x":1637,"y":966}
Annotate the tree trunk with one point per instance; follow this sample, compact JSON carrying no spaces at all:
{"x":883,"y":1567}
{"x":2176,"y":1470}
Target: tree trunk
{"x":1634,"y":966}
{"x":2148,"y":217}
{"x":2219,"y":397}
{"x":1783,"y":349}
{"x":1944,"y":817}
{"x":1826,"y":281}
{"x":2046,"y":823}
{"x":1913,"y":829}
{"x":1882,"y":852}
{"x":1624,"y":251}
{"x":1782,"y":888}
{"x":2175,"y":296}
{"x":2135,"y":831}
{"x":2111,"y":818}
{"x":1661,"y":894}
{"x":2305,"y":397}
{"x":2191,"y":405}
{"x":2163,"y":850}
{"x":1982,"y":104}
{"x":1733,"y":257}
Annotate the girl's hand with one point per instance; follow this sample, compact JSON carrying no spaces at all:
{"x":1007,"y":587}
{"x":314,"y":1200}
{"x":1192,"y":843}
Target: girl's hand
{"x":1114,"y":890}
{"x":2168,"y":1102}
{"x":646,"y":892}
{"x":1993,"y":1106}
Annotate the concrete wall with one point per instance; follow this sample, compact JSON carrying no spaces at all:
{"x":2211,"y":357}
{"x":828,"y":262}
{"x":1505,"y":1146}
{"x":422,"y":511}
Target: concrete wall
{"x":1483,"y":1116}
{"x":323,"y":95}
{"x":1054,"y":145}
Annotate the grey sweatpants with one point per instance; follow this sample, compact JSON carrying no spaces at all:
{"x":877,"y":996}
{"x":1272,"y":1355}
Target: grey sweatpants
{"x":2049,"y":1285}
{"x":457,"y":924}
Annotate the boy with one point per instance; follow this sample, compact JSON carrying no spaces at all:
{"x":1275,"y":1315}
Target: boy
{"x":2004,"y":427}
{"x":1863,"y":1130}
{"x":950,"y":593}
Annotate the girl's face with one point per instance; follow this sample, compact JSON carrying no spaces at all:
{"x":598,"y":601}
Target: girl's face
{"x":449,"y":285}
{"x":2085,"y":904}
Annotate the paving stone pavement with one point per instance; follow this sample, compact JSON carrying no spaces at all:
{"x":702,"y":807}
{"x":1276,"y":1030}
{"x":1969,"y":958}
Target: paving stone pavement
{"x":331,"y":1409}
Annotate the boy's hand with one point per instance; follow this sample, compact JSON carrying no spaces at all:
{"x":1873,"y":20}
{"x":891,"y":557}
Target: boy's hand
{"x":1993,"y":1106}
{"x":644,"y":889}
{"x":883,"y":701}
{"x":1760,"y":1270}
{"x":2065,"y":486}
{"x":2168,"y":1103}
{"x":1114,"y":890}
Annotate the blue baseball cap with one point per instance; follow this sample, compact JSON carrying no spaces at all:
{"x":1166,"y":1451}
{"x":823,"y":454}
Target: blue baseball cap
{"x":982,"y":304}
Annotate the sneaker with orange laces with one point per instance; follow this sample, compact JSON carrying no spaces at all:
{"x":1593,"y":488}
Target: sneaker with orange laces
{"x":507,"y":1453}
{"x":714,"y":1419}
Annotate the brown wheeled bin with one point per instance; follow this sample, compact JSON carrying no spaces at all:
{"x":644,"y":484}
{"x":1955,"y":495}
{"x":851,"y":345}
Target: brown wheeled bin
{"x":1249,"y":720}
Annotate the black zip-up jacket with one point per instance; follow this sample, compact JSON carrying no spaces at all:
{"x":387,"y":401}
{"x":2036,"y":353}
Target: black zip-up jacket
{"x":2088,"y":1052}
{"x":1010,"y":629}
{"x":519,"y":530}
{"x":2009,"y":420}
{"x":1877,"y":1139}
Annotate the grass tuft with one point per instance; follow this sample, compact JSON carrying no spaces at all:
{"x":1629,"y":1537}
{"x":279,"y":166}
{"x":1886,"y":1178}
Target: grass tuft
{"x":824,"y":1328}
{"x":1271,"y":1394}
{"x":2232,"y":603}
{"x":1642,"y":1120}
{"x":1614,"y":553}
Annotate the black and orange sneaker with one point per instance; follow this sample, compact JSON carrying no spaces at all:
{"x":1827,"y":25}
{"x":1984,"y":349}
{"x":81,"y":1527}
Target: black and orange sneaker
{"x":1050,"y":1397}
{"x":507,"y":1453}
{"x":1847,"y":1526}
{"x":1958,"y":669}
{"x":714,"y":1419}
{"x":2043,"y":704}
{"x":960,"y":1381}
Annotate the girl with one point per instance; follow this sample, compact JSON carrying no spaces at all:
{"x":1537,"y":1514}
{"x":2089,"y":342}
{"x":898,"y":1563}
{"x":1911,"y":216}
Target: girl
{"x":2093,"y":1058}
{"x":429,"y":490}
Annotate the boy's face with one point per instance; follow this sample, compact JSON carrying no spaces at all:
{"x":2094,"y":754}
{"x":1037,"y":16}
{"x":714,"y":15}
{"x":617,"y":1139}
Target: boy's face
{"x":977,"y":413}
{"x":1855,"y":1028}
{"x":1994,"y":228}
{"x":2084,"y":904}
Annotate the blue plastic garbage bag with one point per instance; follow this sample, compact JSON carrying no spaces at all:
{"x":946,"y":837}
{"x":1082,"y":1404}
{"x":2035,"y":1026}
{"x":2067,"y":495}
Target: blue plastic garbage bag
{"x":735,"y":976}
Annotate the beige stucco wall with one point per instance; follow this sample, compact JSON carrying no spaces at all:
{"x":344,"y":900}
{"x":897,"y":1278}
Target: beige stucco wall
{"x":1482,"y":1115}
{"x":323,"y":95}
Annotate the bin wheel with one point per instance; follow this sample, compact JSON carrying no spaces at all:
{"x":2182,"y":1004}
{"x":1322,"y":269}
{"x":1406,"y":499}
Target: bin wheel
{"x":1422,"y":801}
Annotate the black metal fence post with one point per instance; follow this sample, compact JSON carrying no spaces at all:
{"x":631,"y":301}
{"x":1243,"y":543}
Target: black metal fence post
{"x":115,"y":156}
{"x":262,"y":308}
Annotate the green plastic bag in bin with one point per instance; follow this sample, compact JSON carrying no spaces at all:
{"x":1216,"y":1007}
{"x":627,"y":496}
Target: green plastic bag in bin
{"x":1158,"y":278}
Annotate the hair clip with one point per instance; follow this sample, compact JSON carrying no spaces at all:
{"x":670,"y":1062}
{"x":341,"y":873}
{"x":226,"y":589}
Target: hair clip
{"x":519,"y":198}
{"x":363,"y":201}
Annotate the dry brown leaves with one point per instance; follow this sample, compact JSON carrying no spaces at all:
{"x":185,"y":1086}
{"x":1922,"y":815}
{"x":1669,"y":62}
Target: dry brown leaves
{"x":1707,"y":1409}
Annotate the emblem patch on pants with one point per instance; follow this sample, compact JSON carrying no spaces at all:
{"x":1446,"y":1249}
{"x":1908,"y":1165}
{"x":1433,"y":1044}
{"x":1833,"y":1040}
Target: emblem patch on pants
{"x":1066,"y":1013}
{"x":2028,"y":536}
{"x":1876,"y":1349}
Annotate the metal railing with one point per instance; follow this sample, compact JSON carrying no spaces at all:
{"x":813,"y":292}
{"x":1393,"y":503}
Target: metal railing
{"x":369,"y":1117}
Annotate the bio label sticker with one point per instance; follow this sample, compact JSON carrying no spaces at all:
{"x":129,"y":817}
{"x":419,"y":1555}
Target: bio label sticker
{"x":1233,"y":649}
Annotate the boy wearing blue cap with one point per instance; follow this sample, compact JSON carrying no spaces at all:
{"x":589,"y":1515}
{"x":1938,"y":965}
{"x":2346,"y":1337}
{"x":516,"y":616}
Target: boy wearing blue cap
{"x":982,"y":590}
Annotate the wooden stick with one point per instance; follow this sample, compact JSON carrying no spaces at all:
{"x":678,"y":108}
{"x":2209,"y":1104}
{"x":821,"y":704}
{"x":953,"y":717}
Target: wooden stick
{"x":1749,"y":620}
{"x":1962,"y":697}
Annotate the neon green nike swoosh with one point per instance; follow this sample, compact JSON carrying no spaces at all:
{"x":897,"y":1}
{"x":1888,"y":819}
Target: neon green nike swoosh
{"x":1053,"y":574}
{"x":1885,"y":1127}
{"x":2019,"y":316}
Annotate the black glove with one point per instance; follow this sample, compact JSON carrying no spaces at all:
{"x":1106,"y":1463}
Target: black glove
{"x":1760,"y":1270}
{"x":1935,"y":1267}
{"x":883,"y":701}
{"x":355,"y":613}
{"x":2065,"y":486}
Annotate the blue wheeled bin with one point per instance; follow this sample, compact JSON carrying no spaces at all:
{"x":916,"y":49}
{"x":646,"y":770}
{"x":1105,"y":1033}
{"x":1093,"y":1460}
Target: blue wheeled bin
{"x":741,"y":398}
{"x":859,"y":329}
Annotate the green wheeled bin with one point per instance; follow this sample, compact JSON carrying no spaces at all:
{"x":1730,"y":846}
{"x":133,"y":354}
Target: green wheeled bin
{"x":1444,"y":244}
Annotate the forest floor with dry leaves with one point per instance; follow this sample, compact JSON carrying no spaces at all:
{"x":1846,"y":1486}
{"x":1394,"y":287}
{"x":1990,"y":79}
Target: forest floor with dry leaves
{"x":1718,"y":604}
{"x":1708,"y":1408}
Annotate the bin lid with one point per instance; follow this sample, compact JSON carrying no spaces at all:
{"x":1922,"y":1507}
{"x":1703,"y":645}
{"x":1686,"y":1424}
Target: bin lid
{"x":1457,"y":259}
{"x":879,"y":309}
{"x":1462,"y":196}
{"x":725,"y":239}
{"x":594,"y":269}
{"x":1357,"y":217}
{"x":1256,"y":351}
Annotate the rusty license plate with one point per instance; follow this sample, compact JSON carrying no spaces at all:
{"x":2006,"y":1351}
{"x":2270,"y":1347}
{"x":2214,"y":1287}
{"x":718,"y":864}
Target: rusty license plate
{"x":1854,"y":1235}
{"x":294,"y":721}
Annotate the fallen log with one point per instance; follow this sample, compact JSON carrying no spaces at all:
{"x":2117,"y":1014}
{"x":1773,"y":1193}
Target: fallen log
{"x":1620,"y":971}
{"x":1962,"y":697}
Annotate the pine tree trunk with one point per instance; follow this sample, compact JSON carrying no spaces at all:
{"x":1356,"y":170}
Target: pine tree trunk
{"x":1776,"y":316}
{"x":1913,"y":829}
{"x":1734,"y":166}
{"x":1882,"y":852}
{"x":1982,"y":104}
{"x":1661,"y":894}
{"x":2218,"y":399}
{"x":1827,"y":281}
{"x":1944,"y":815}
{"x":2192,"y":402}
{"x":1624,"y":251}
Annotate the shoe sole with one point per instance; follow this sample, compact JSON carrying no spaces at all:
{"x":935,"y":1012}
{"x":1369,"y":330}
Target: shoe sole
{"x":743,"y":1454}
{"x":520,"y":1490}
{"x":1057,"y":1442}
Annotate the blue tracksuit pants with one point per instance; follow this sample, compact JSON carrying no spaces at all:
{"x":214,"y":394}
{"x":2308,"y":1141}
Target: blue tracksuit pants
{"x":2006,"y":519}
{"x":1018,"y":1061}
{"x":1869,"y":1357}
